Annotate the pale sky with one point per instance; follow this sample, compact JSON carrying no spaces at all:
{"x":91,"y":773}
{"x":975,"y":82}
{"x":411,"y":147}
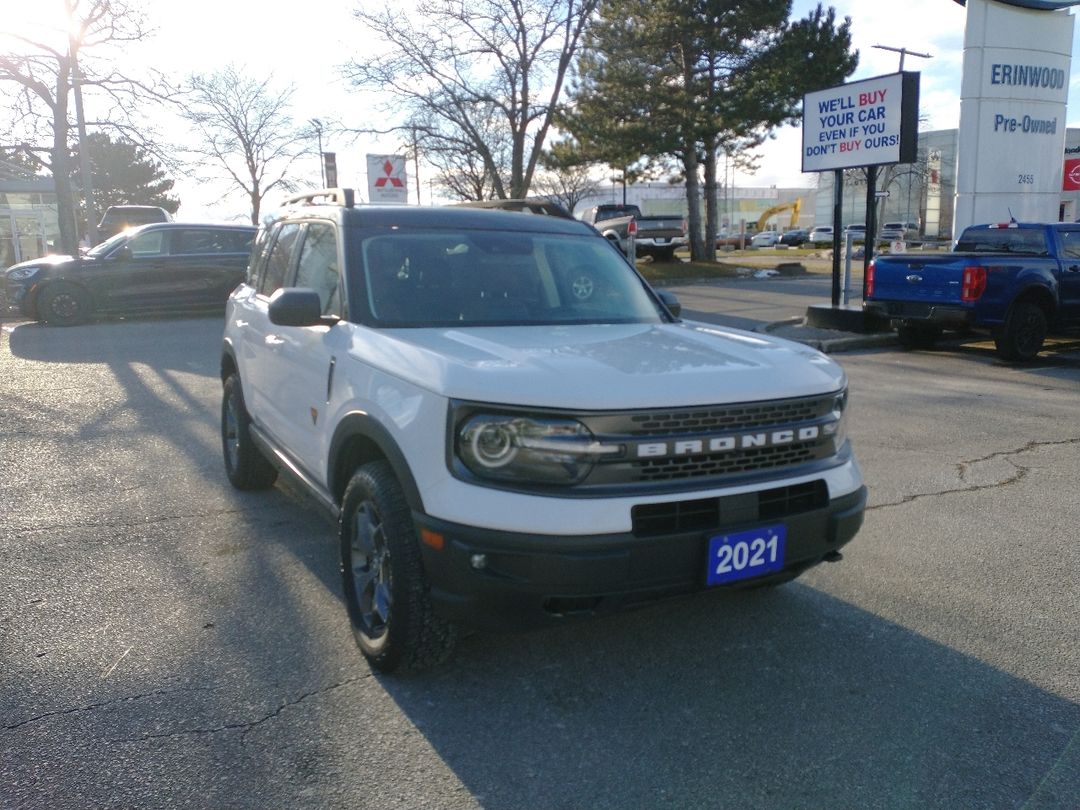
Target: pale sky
{"x":304,"y":46}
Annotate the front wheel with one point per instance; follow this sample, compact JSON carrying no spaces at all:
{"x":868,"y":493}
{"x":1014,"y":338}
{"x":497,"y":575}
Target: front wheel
{"x":386,"y":591}
{"x":63,"y":304}
{"x":1022,"y":335}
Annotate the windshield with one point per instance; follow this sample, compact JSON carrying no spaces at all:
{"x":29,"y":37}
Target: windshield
{"x":99,"y":250}
{"x":470,"y":278}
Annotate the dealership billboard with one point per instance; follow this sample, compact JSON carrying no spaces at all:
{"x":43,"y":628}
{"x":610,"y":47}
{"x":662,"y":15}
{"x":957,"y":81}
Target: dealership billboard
{"x":864,"y":123}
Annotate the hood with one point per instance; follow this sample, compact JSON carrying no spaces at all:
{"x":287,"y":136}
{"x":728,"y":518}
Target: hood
{"x":601,"y":367}
{"x":52,"y":260}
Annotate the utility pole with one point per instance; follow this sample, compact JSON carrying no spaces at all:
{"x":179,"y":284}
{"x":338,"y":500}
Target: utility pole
{"x":84,"y":157}
{"x":871,"y":178}
{"x":315,"y":122}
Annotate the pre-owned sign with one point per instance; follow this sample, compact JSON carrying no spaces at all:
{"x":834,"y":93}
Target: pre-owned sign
{"x":864,"y":123}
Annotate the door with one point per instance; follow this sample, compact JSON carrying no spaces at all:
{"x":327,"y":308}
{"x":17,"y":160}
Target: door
{"x":133,"y":276}
{"x":1069,"y":280}
{"x":308,"y":356}
{"x":22,"y":237}
{"x":261,"y":365}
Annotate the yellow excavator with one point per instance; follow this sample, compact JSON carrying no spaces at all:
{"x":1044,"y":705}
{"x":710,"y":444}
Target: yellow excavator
{"x":794,"y":206}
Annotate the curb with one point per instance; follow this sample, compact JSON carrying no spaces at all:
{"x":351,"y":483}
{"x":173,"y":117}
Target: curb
{"x":828,"y":345}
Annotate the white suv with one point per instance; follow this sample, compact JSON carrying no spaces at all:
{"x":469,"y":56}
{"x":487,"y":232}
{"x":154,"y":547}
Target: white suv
{"x":514,"y":429}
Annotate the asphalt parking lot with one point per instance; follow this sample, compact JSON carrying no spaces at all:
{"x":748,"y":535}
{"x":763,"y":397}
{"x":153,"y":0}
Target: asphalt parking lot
{"x":166,"y":641}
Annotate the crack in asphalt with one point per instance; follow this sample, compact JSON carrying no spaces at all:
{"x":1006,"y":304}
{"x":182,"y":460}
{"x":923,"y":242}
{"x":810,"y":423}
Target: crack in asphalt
{"x":244,"y":728}
{"x":963,"y":467}
{"x":95,"y":706}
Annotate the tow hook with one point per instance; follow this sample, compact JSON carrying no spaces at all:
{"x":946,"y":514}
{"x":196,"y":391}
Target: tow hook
{"x":833,"y":556}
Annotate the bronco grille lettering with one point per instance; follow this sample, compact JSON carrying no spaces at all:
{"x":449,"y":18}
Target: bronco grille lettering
{"x":724,"y":444}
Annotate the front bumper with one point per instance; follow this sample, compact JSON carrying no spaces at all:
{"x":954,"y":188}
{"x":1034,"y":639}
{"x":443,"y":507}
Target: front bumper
{"x":497,"y":580}
{"x":15,"y":298}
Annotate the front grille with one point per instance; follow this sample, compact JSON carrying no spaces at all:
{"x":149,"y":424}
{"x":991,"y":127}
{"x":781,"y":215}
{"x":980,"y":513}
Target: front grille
{"x":730,"y":417}
{"x":650,"y":520}
{"x":739,"y":461}
{"x":671,"y":446}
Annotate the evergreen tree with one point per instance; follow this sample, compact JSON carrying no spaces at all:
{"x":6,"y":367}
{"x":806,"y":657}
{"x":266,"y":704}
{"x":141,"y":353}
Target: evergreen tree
{"x":124,"y":174}
{"x":691,"y":79}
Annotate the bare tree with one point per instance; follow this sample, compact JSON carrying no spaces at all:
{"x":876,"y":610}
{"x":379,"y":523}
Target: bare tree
{"x":566,"y":178}
{"x":249,"y":139}
{"x":450,"y":66}
{"x":44,"y":70}
{"x":461,"y":171}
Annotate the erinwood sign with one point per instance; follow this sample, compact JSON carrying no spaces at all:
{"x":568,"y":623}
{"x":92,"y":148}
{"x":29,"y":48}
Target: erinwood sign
{"x":1017,"y":61}
{"x":864,"y":123}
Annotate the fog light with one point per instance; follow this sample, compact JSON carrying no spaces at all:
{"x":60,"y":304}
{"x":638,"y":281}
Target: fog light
{"x":478,"y":561}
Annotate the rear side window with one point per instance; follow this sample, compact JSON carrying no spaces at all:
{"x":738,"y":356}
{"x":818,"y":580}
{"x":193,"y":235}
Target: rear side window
{"x":1070,"y":243}
{"x":280,"y":259}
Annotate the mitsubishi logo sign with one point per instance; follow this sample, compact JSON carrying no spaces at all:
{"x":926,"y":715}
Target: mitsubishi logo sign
{"x":387,"y":179}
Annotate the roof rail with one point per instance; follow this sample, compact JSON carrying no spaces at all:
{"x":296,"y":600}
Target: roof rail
{"x":345,"y":197}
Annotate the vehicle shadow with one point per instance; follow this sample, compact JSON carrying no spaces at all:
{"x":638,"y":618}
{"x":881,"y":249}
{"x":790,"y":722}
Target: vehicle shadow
{"x":1060,"y":357}
{"x":170,"y":341}
{"x":787,"y":698}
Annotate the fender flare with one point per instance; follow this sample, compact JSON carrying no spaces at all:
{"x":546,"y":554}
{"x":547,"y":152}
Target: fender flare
{"x":375,"y":442}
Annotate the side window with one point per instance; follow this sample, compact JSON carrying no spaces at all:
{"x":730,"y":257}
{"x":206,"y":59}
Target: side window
{"x":318,"y":267}
{"x":235,"y":241}
{"x":279,"y":260}
{"x":192,"y":241}
{"x":1070,"y":244}
{"x":148,"y":244}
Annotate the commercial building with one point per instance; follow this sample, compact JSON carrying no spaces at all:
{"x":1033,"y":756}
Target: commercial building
{"x":29,"y":226}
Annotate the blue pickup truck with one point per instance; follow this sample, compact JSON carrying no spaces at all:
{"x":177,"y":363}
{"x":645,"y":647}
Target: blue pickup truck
{"x":1020,"y":281}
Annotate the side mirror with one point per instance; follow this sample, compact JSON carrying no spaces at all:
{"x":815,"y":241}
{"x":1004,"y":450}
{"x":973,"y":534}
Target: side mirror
{"x":122,"y":254}
{"x":671,"y":301}
{"x":297,"y":306}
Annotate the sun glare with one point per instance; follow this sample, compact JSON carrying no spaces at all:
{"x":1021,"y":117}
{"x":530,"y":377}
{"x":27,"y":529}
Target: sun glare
{"x":40,"y":22}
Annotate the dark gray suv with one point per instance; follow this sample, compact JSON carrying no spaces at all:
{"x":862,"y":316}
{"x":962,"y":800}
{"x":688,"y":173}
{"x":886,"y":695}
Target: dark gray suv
{"x":170,"y":266}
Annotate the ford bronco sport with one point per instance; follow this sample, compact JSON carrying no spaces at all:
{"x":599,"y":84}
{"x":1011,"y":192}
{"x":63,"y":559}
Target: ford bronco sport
{"x":514,"y":429}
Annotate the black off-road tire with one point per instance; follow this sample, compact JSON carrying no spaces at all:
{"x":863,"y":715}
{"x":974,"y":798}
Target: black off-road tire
{"x":1022,"y":335}
{"x":918,"y":337}
{"x":64,"y":304}
{"x":245,"y":465}
{"x":386,"y":591}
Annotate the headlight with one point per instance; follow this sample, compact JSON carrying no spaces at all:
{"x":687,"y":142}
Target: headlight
{"x":528,"y":450}
{"x":837,"y":426}
{"x":23,"y":273}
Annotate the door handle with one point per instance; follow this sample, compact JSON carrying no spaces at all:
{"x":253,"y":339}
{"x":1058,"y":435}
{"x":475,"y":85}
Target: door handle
{"x":273,"y":340}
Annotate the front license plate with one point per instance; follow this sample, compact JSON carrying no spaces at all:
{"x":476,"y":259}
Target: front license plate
{"x":742,"y":555}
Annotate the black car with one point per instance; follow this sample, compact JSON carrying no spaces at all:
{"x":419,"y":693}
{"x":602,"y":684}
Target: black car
{"x":794,"y":238}
{"x":169,"y":266}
